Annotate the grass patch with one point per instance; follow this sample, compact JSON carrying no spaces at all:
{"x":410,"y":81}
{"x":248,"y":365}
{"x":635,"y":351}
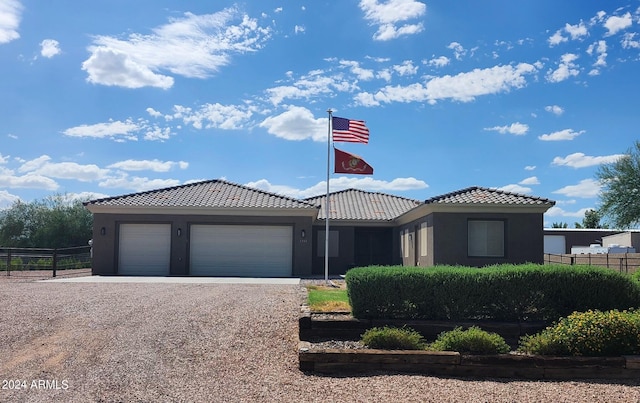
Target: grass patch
{"x":328,"y":299}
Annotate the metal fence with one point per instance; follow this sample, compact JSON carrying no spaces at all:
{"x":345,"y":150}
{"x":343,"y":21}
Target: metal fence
{"x":57,"y":260}
{"x":623,"y":262}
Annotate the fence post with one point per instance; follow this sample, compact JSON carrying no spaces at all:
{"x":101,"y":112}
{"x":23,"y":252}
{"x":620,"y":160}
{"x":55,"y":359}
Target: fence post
{"x":9,"y":262}
{"x":55,"y":261}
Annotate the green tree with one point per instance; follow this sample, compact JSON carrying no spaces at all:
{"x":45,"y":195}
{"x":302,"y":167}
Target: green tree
{"x":620,"y":192}
{"x":559,"y":225}
{"x":591,"y":220}
{"x":54,"y":222}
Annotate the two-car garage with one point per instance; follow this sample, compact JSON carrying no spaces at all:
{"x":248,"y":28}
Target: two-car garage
{"x":213,"y":250}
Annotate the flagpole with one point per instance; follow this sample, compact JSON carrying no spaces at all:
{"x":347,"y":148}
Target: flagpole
{"x":326,"y":204}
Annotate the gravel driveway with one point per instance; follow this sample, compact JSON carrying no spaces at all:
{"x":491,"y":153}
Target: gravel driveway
{"x":205,"y":343}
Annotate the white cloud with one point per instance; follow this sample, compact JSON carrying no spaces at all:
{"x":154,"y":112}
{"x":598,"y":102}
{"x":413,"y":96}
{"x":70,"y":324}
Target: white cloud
{"x":138,"y":184}
{"x":464,"y":87}
{"x":555,"y":109}
{"x":7,"y":199}
{"x":530,"y":168}
{"x":341,"y":183}
{"x":556,"y":211}
{"x":516,"y":189}
{"x":115,"y":130}
{"x":406,"y":68}
{"x":576,"y":31}
{"x":532,"y":180}
{"x":390,"y":16}
{"x":10,"y":15}
{"x":149,"y":165}
{"x":194,"y":46}
{"x":587,"y":188}
{"x":439,"y":61}
{"x":517,"y":128}
{"x":30,"y":181}
{"x":209,"y":116}
{"x":299,"y":29}
{"x":566,"y":68}
{"x":297,"y":123}
{"x":111,"y":68}
{"x":458,"y":50}
{"x":359,"y":72}
{"x":311,"y":85}
{"x":580,"y":160}
{"x":49,"y":48}
{"x":557,"y":38}
{"x":629,"y":41}
{"x":566,"y":134}
{"x":614,"y":24}
{"x":600,"y":49}
{"x":42,"y":166}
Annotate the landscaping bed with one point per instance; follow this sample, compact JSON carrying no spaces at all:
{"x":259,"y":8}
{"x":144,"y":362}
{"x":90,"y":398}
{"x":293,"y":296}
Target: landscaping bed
{"x":328,"y":345}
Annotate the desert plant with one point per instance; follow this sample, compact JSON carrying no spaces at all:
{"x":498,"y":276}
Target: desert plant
{"x":471,"y":341}
{"x":590,"y":333}
{"x":393,"y":338}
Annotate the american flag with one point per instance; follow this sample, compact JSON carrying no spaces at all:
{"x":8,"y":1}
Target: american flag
{"x":349,"y":131}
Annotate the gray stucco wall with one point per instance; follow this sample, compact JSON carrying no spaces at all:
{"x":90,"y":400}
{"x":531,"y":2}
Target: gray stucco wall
{"x":105,"y":247}
{"x":446,"y":242}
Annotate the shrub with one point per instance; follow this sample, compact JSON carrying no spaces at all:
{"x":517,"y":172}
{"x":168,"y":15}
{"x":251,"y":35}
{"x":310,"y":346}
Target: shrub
{"x":636,"y":275}
{"x":393,"y":338}
{"x":504,"y":293}
{"x":591,"y":333}
{"x":471,"y":341}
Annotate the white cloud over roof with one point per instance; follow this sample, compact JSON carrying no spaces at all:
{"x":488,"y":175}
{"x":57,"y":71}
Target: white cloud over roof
{"x":391,"y":17}
{"x":10,"y":15}
{"x":580,"y":160}
{"x":194,"y":46}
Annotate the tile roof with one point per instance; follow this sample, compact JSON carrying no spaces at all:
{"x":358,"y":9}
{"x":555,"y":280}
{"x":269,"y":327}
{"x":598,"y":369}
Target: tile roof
{"x":354,"y":204}
{"x":480,"y":195}
{"x":215,"y":193}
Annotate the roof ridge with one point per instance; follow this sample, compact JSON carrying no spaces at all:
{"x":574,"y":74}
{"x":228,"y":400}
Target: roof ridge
{"x":362,"y":191}
{"x":493,"y":190}
{"x":197,"y":183}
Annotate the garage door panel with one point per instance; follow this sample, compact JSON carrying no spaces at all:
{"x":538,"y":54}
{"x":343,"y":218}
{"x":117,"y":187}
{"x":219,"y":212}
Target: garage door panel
{"x":241,"y":250}
{"x":144,"y":249}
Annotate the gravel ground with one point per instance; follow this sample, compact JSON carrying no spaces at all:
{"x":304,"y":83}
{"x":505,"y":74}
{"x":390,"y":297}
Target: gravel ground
{"x":206,"y":343}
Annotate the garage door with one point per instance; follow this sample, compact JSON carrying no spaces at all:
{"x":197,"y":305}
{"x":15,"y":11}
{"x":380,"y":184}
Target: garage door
{"x":144,"y":249}
{"x":241,"y":250}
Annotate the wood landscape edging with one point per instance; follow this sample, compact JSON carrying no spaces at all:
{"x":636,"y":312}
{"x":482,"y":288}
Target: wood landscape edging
{"x":445,"y":363}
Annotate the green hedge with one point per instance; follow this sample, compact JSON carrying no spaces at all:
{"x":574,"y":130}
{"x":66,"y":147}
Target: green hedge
{"x":503,"y":292}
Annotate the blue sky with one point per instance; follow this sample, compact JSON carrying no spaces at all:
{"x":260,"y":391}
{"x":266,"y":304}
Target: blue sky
{"x":104,"y":98}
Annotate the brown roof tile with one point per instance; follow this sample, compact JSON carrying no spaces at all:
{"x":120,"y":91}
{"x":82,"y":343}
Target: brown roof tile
{"x":215,"y":193}
{"x":354,"y":204}
{"x":480,"y":195}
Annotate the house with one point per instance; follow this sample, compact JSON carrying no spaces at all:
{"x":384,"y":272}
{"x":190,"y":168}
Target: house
{"x":218,"y":228}
{"x":559,"y":241}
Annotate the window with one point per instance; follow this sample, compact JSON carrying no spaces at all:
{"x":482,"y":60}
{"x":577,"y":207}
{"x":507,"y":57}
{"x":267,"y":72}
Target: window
{"x":333,"y":243}
{"x":423,"y":239}
{"x":485,"y":238}
{"x":404,"y":243}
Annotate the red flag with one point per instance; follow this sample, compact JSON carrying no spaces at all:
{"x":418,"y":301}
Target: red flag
{"x":350,"y":131}
{"x":346,"y":163}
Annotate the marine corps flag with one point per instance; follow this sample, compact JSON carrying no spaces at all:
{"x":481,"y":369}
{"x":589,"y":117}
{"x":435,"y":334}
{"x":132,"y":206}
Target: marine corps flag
{"x":346,"y":163}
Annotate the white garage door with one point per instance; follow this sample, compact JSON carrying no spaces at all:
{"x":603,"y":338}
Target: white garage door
{"x":241,"y":250}
{"x":144,"y":249}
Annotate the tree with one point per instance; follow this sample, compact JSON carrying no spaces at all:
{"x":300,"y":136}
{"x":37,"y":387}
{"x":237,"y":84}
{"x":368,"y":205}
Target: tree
{"x":54,"y":222}
{"x":559,"y":225}
{"x":620,"y":192}
{"x":591,"y":220}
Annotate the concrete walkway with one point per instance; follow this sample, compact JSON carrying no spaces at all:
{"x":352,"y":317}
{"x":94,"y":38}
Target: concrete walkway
{"x":175,"y":280}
